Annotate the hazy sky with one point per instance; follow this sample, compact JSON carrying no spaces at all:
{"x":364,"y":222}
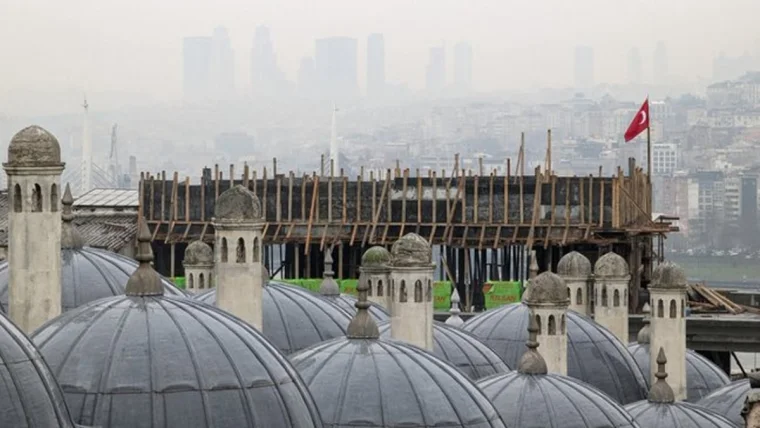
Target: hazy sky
{"x":135,"y":45}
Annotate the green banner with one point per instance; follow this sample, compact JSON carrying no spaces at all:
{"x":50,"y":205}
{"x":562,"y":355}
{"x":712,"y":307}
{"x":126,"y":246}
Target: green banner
{"x":442,"y":295}
{"x":179,"y":281}
{"x":500,"y":293}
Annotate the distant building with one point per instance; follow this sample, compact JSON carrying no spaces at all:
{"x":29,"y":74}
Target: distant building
{"x":634,"y":67}
{"x":584,"y":67}
{"x":336,"y":67}
{"x":660,"y":65}
{"x":222,"y":65}
{"x":266,"y":77}
{"x":196,"y":71}
{"x":436,"y":70}
{"x":665,"y":158}
{"x":307,"y":77}
{"x":375,"y":65}
{"x":463,"y":66}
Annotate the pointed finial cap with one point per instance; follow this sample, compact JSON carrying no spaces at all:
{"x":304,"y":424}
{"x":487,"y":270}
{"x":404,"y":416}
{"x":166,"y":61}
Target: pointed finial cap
{"x":533,"y":265}
{"x":145,"y":281}
{"x":70,"y":236}
{"x":643,"y":335}
{"x":329,"y":287}
{"x":661,"y":392}
{"x":362,"y":325}
{"x":454,"y":319}
{"x":531,"y":361}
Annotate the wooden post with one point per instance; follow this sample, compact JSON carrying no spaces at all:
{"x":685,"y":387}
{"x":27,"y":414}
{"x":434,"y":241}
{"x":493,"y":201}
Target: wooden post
{"x":163,"y":195}
{"x":187,"y":199}
{"x":290,"y":196}
{"x":232,"y":175}
{"x":246,"y":175}
{"x":264,"y":185}
{"x":216,"y":182}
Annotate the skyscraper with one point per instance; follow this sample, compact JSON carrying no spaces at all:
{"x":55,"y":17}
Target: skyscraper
{"x":463,"y":66}
{"x":375,"y":65}
{"x":336,"y":67}
{"x":266,"y":77}
{"x":222,"y":65}
{"x":584,"y":67}
{"x":634,"y":66}
{"x":660,"y":70}
{"x":196,"y":75}
{"x":436,"y":69}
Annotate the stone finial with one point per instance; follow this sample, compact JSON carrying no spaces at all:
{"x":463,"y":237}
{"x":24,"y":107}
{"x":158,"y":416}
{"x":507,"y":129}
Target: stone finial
{"x":454,"y":319}
{"x":643,"y":336}
{"x":329,"y":287}
{"x":611,"y":265}
{"x":533,"y":269}
{"x":198,"y":253}
{"x":661,"y":392}
{"x":34,"y":146}
{"x":668,"y":275}
{"x":548,"y":288}
{"x":238,"y":204}
{"x":532,"y":362}
{"x":574,"y":265}
{"x":70,"y":236}
{"x":362,"y":325}
{"x":376,"y":257}
{"x":412,"y":250}
{"x":144,"y":281}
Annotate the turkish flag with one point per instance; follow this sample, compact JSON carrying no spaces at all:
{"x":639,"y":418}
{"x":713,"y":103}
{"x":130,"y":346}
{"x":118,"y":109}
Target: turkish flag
{"x":639,"y":123}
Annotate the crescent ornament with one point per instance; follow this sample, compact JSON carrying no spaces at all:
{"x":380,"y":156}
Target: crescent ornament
{"x":643,"y":117}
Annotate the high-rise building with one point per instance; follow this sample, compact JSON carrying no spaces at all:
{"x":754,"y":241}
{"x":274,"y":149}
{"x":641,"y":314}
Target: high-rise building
{"x":584,"y":67}
{"x":375,"y":65}
{"x":634,"y":66}
{"x":266,"y":77}
{"x":660,"y":63}
{"x":196,"y":76}
{"x":463,"y":66}
{"x":222,"y":65}
{"x":336,"y":67}
{"x":436,"y":69}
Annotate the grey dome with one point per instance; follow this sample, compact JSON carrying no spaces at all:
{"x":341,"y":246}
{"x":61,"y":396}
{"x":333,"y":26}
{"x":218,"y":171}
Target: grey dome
{"x":198,"y":253}
{"x":594,"y":355}
{"x":29,"y":394}
{"x":462,"y":350}
{"x":383,"y":383}
{"x":669,"y":275}
{"x":375,"y":257}
{"x":34,"y":146}
{"x":295,"y":318}
{"x":702,"y":375}
{"x":676,"y":415}
{"x":175,"y":362}
{"x":547,"y":287}
{"x":728,"y":400}
{"x":347,"y":303}
{"x":611,"y":265}
{"x":237,"y":204}
{"x":552,"y":400}
{"x":88,"y":274}
{"x":411,"y":250}
{"x":574,"y":265}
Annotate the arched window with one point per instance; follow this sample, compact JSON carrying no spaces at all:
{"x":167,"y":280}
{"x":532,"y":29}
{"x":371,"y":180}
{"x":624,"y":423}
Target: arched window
{"x":37,"y":198}
{"x":660,"y":309}
{"x":256,"y":251}
{"x":380,"y":288}
{"x":625,"y":297}
{"x":673,"y":309}
{"x":53,"y":198}
{"x":201,"y":282}
{"x":402,"y":292}
{"x":17,"y":199}
{"x":224,"y":250}
{"x":683,"y":308}
{"x":579,"y":296}
{"x":369,"y":287}
{"x":552,"y":325}
{"x":190,"y":284}
{"x":429,"y":293}
{"x":616,"y":298}
{"x":240,"y":251}
{"x":562,"y":324}
{"x":538,"y":323}
{"x":604,"y":296}
{"x":418,"y":291}
{"x":569,"y":293}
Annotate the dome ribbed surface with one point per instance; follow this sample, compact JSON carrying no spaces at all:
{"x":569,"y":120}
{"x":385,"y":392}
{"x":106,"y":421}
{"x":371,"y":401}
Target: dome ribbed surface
{"x":88,"y":274}
{"x":29,"y":394}
{"x":728,"y":401}
{"x":552,"y":401}
{"x":462,"y":350}
{"x":382,"y":383}
{"x":676,"y":415}
{"x":171,"y":362}
{"x":347,"y":303}
{"x":295,"y":318}
{"x":594,"y":355}
{"x":702,"y":375}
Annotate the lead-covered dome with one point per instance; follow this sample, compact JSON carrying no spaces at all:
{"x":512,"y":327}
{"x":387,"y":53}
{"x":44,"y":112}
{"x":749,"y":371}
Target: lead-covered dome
{"x":462,"y":350}
{"x":198,"y":253}
{"x":728,"y":401}
{"x":237,"y":204}
{"x":594,"y":355}
{"x":547,"y":287}
{"x":347,"y":303}
{"x":295,"y":318}
{"x":611,"y":265}
{"x":669,"y":275}
{"x":574,"y":265}
{"x":411,"y":250}
{"x":29,"y":394}
{"x":34,"y":146}
{"x":376,"y":256}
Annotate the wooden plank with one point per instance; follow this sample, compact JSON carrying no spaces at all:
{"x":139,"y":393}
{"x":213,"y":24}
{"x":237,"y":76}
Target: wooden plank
{"x":464,"y":196}
{"x":246,"y":175}
{"x":553,"y":209}
{"x":277,"y":200}
{"x":590,"y":199}
{"x":314,"y":197}
{"x":522,"y":201}
{"x":303,"y":197}
{"x":353,"y":234}
{"x":290,"y":196}
{"x":187,"y":232}
{"x":290,"y":232}
{"x":435,"y":198}
{"x":203,"y":231}
{"x":277,"y":232}
{"x":376,"y":215}
{"x":203,"y":198}
{"x":169,"y":233}
{"x":536,"y":208}
{"x":464,"y":235}
{"x":506,"y":193}
{"x":497,"y":237}
{"x":447,"y":230}
{"x":187,"y":198}
{"x":403,"y":202}
{"x":359,"y":183}
{"x":567,"y":210}
{"x":216,"y":182}
{"x":163,"y":195}
{"x":324,"y":238}
{"x":432,"y":233}
{"x":490,"y":199}
{"x":255,"y":184}
{"x":173,"y":209}
{"x":475,"y":201}
{"x":330,"y":194}
{"x":419,"y":198}
{"x":264,"y":192}
{"x":514,"y":234}
{"x":482,"y":236}
{"x":601,"y":203}
{"x":345,"y":199}
{"x":582,"y":201}
{"x":155,"y":231}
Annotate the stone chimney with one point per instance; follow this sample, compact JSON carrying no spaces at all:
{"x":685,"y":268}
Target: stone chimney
{"x":375,"y":271}
{"x":199,"y":267}
{"x":546,"y":297}
{"x":611,"y":280}
{"x":575,"y":269}
{"x":667,"y":300}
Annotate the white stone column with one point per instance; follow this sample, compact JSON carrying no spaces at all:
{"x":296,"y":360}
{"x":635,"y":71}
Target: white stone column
{"x":575,"y":269}
{"x":199,"y":267}
{"x":375,"y":271}
{"x":611,"y":280}
{"x":239,"y":223}
{"x":667,"y":299}
{"x":546,"y":297}
{"x":34,"y":170}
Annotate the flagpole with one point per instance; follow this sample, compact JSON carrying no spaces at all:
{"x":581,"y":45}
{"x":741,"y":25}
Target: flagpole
{"x":649,"y":141}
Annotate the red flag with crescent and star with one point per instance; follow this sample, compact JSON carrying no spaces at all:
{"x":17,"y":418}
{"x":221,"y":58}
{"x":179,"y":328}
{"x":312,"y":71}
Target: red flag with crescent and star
{"x":639,"y":123}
